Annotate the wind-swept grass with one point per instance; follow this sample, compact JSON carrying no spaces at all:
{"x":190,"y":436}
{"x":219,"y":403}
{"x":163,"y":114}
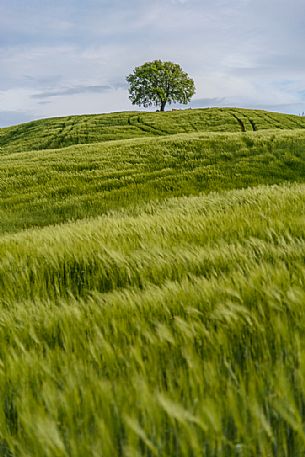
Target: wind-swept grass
{"x":47,"y":187}
{"x":176,"y":330}
{"x":162,"y":315}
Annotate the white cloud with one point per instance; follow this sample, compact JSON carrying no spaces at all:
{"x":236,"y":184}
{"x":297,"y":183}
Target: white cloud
{"x":245,"y":51}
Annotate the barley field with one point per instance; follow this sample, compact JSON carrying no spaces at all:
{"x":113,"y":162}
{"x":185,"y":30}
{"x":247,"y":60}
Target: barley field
{"x":152,"y":286}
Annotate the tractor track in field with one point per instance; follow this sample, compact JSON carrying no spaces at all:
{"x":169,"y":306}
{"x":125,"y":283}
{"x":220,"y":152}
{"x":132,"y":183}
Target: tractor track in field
{"x":275,"y":122}
{"x":300,"y":126}
{"x":242,"y":125}
{"x":146,"y":127}
{"x":60,"y":136}
{"x":254,"y":127}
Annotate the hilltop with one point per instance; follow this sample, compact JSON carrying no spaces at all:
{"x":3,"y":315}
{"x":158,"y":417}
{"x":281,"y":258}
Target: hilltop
{"x":65,"y":131}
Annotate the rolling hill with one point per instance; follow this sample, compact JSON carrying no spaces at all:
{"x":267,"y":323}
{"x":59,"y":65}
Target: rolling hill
{"x":66,"y":131}
{"x":152,"y":285}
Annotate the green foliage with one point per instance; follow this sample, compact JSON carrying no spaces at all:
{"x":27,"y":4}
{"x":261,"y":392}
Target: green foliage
{"x":164,"y":314}
{"x":160,"y":83}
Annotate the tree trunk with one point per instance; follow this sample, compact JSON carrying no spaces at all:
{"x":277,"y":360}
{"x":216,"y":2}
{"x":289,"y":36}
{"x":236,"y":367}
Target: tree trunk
{"x":163,"y":104}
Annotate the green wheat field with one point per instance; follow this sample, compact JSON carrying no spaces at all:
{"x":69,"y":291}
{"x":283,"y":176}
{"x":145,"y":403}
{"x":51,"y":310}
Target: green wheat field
{"x":152,"y":285}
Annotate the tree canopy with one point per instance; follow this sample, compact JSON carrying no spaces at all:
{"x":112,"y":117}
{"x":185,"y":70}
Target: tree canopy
{"x":158,"y":83}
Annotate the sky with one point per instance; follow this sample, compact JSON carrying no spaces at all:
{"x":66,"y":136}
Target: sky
{"x":65,"y":57}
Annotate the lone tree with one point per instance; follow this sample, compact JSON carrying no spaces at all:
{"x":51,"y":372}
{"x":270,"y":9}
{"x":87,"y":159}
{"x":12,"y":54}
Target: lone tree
{"x":160,"y":83}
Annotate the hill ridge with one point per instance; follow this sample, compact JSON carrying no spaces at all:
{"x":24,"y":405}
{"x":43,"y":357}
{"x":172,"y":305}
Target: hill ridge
{"x":59,"y":132}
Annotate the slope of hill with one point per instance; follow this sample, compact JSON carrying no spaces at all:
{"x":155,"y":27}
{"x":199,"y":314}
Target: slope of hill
{"x":66,"y":131}
{"x":162,"y":314}
{"x":48,"y":187}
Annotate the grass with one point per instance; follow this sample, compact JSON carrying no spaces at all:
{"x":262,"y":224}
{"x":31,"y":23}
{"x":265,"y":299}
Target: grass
{"x":65,"y":131}
{"x":39,"y":188}
{"x":162,"y":314}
